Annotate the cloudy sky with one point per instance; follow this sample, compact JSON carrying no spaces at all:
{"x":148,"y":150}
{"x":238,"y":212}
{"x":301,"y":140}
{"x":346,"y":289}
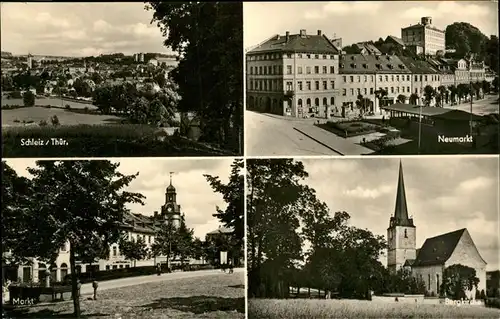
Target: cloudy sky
{"x":361,"y":21}
{"x":78,"y":29}
{"x":194,"y":194}
{"x":443,"y":195}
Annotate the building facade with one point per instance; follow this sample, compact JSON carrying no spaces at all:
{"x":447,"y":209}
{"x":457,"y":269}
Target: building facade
{"x":294,"y":75}
{"x":424,"y":35}
{"x":423,"y":74}
{"x":436,"y":254}
{"x":365,"y":74}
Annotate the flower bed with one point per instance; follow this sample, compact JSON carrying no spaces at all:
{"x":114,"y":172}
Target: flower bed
{"x":349,"y":128}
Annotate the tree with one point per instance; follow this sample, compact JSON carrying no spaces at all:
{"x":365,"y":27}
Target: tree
{"x":233,"y":194}
{"x":362,"y":104}
{"x":429,"y":94}
{"x":133,"y":249}
{"x":457,"y":279}
{"x":486,"y":87}
{"x":274,"y":243}
{"x":183,"y":247}
{"x":494,"y":83}
{"x":77,"y":202}
{"x":380,"y":94}
{"x":414,"y":99}
{"x":401,"y":98}
{"x":209,"y":77}
{"x":197,"y":249}
{"x":16,"y":200}
{"x":29,"y":98}
{"x":440,"y":95}
{"x":453,"y":93}
{"x":165,"y":239}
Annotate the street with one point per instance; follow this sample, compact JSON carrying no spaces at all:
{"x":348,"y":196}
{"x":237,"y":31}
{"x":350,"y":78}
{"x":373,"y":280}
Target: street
{"x":268,"y":135}
{"x":485,"y":106}
{"x":132,"y":281}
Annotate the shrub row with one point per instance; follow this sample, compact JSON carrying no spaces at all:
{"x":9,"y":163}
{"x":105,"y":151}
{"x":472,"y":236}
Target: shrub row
{"x":104,"y":275}
{"x":492,"y":302}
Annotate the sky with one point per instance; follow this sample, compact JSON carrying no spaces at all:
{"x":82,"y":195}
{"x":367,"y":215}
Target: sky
{"x":360,"y":21}
{"x":194,"y":194}
{"x":78,"y":29}
{"x":443,"y":195}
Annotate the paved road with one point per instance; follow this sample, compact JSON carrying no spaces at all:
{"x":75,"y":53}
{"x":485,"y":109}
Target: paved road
{"x":125,"y":282}
{"x":268,"y":135}
{"x":485,"y":106}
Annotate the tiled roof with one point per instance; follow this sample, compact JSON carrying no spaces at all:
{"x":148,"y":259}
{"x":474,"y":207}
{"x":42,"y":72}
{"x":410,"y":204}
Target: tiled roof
{"x":418,"y":66}
{"x":437,"y":250}
{"x":395,"y":39}
{"x":296,"y":43}
{"x":418,"y":26}
{"x":366,"y":63}
{"x":221,"y":230}
{"x":436,"y":112}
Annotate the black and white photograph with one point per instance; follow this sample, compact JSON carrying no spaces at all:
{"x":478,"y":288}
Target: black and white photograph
{"x":371,"y":78}
{"x":127,"y":238}
{"x":121,"y":79}
{"x":373,"y":237}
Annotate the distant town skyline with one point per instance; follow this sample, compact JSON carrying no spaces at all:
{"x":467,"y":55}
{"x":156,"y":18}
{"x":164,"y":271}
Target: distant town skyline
{"x":79,"y":29}
{"x":443,"y":194}
{"x":360,"y":21}
{"x":195,"y":196}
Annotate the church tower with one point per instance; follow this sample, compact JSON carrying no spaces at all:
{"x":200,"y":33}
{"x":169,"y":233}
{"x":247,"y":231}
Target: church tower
{"x":401,"y":234}
{"x":171,"y":211}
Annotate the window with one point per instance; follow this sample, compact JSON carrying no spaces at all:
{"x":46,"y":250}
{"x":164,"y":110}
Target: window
{"x":332,"y":57}
{"x":352,"y":91}
{"x":345,"y":78}
{"x":386,"y":78}
{"x":324,"y":56}
{"x":107,"y":267}
{"x":325,"y":101}
{"x":260,"y":70}
{"x":251,"y":70}
{"x":408,"y":89}
{"x":406,"y":233}
{"x":308,"y":69}
{"x":316,"y":85}
{"x":380,"y":78}
{"x":371,"y":91}
{"x":429,"y":281}
{"x":397,"y":89}
{"x":288,"y":69}
{"x":325,"y":85}
{"x":416,"y":78}
{"x":299,"y":70}
{"x":332,"y":85}
{"x":316,"y":69}
{"x":392,"y":89}
{"x":426,"y":78}
{"x":325,"y":69}
{"x":289,"y":86}
{"x":366,"y":78}
{"x":280,"y":69}
{"x":365,"y":91}
{"x":308,"y":85}
{"x":344,"y":92}
{"x":359,"y":78}
{"x":359,"y":91}
{"x":269,"y":69}
{"x":397,"y":78}
{"x":420,"y":78}
{"x":115,"y":266}
{"x":371,"y":77}
{"x":351,"y":78}
{"x":121,"y":266}
{"x":299,"y":84}
{"x":316,"y":56}
{"x":149,"y":239}
{"x":332,"y":101}
{"x":392,"y":78}
{"x":288,"y":55}
{"x":299,"y":55}
{"x":308,"y":56}
{"x":332,"y":69}
{"x":265,"y":70}
{"x":114,"y":251}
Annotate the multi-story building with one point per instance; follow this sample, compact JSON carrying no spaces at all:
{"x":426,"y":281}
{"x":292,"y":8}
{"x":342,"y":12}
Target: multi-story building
{"x":423,"y":74}
{"x":460,"y":69}
{"x":477,"y":71}
{"x":365,"y":74}
{"x":294,"y":75}
{"x":424,"y":35}
{"x":446,"y":70}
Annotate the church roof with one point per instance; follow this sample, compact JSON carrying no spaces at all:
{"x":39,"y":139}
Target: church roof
{"x":221,"y":230}
{"x":437,"y":250}
{"x":400,"y":217}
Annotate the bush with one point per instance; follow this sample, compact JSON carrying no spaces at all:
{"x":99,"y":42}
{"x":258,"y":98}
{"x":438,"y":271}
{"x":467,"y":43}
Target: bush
{"x":43,"y":123}
{"x":16,"y":121}
{"x":29,"y":99}
{"x":492,"y":302}
{"x":86,"y":109}
{"x":67,"y":107}
{"x":55,"y":120}
{"x":112,"y":274}
{"x":482,"y":295}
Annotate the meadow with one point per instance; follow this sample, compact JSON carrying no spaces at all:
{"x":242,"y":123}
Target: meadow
{"x":317,"y":308}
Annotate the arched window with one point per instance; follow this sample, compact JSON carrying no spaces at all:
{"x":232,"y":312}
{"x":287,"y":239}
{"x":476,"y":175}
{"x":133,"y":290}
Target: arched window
{"x":42,"y":268}
{"x":332,"y":101}
{"x":53,"y":273}
{"x":406,"y":234}
{"x":115,"y":251}
{"x":299,"y":102}
{"x":325,"y":101}
{"x":316,"y":102}
{"x":308,"y":102}
{"x":64,"y":271}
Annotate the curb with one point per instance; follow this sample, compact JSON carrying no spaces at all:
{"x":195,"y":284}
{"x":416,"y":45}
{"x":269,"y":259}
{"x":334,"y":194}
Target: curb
{"x":317,"y":141}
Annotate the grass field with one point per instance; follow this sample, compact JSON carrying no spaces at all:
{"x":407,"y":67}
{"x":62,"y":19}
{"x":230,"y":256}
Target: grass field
{"x":50,"y":101}
{"x":15,"y":117}
{"x":214,"y":296}
{"x":307,"y":308}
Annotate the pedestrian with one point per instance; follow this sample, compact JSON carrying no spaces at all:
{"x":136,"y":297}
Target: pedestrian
{"x":158,"y":269}
{"x":231,"y":270}
{"x":95,"y":284}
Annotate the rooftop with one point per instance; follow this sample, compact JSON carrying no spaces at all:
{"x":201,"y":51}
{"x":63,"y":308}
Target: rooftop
{"x":221,"y":230}
{"x":418,"y":66}
{"x":301,"y":42}
{"x":435,"y":112}
{"x":367,"y":63}
{"x":437,"y":250}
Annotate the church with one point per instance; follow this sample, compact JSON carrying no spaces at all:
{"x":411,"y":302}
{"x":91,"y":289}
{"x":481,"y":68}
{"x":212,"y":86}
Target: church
{"x":428,"y":262}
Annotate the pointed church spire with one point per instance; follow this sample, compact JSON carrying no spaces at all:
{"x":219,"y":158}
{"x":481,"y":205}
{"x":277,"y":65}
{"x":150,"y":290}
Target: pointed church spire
{"x":401,"y":210}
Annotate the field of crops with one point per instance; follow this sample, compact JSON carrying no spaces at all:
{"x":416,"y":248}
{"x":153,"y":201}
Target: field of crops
{"x":310,"y":308}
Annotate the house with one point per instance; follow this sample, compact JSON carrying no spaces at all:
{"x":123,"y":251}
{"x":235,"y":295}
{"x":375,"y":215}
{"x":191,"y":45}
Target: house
{"x":395,"y":40}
